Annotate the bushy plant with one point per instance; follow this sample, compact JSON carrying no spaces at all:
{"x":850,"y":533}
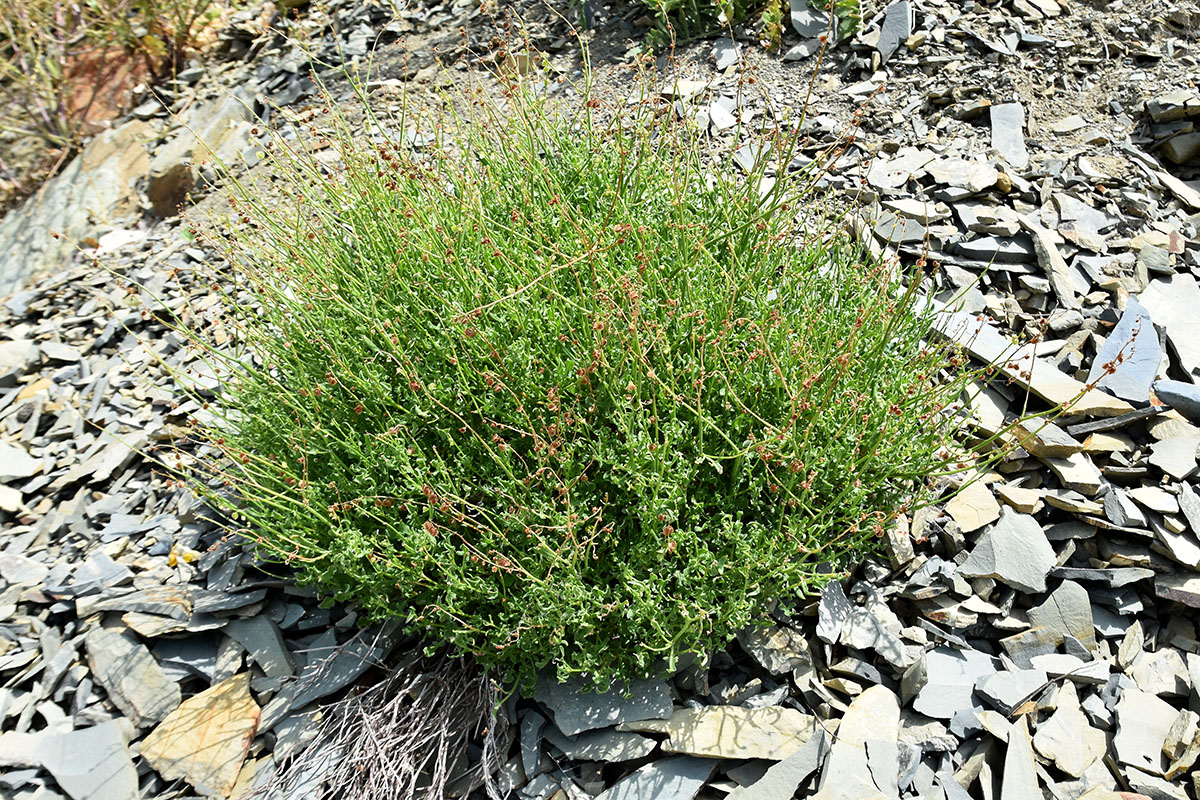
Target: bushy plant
{"x":563,"y":387}
{"x":685,"y":20}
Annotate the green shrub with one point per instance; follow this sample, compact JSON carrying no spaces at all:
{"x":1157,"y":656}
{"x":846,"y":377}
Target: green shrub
{"x":685,"y":20}
{"x":678,"y":21}
{"x":563,"y":388}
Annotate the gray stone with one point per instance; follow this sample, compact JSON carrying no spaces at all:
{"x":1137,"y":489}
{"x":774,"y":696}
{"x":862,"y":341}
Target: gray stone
{"x":1066,"y":738}
{"x":1162,"y":672}
{"x":1008,"y":134}
{"x":1173,"y":301}
{"x":330,"y":669}
{"x":531,"y":741}
{"x":1044,"y":439}
{"x":676,"y":778}
{"x":1053,"y":265}
{"x":897,"y":27}
{"x":852,"y":771}
{"x":92,"y":763}
{"x":893,"y":173}
{"x":898,"y":230}
{"x":262,"y":639}
{"x":783,"y":778}
{"x":134,"y":681}
{"x":725,"y":53}
{"x":600,"y":745}
{"x":1189,"y":504}
{"x":778,"y":649}
{"x":807,"y":21}
{"x":1015,"y":551}
{"x":943,"y":681}
{"x":832,"y":612}
{"x":1133,"y":354}
{"x":17,"y":569}
{"x":1182,"y":588}
{"x":1072,"y":209}
{"x":93,"y":194}
{"x":1067,"y":612}
{"x":1183,"y":397}
{"x":1019,"y":778}
{"x":1182,"y":148}
{"x":1122,"y":511}
{"x":16,"y":463}
{"x":1143,"y":722}
{"x":1007,"y":691}
{"x":576,"y":710}
{"x":1155,"y":787}
{"x":16,"y":356}
{"x":1176,"y":456}
{"x":974,"y":176}
{"x":1176,"y":105}
{"x":1017,"y":249}
{"x":805,"y":49}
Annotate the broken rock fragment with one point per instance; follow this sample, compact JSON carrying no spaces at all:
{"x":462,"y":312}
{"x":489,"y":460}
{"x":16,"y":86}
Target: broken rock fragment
{"x":1015,"y":551}
{"x":205,"y":740}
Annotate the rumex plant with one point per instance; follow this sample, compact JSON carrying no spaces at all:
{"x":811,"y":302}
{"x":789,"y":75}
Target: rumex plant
{"x":561,"y":386}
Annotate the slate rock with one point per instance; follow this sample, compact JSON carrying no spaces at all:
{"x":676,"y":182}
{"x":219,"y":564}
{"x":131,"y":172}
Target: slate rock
{"x":675,"y":778}
{"x":93,"y":194}
{"x":974,"y":176}
{"x":1067,"y":738}
{"x":16,"y":356}
{"x":134,"y":681}
{"x":778,"y":649}
{"x":262,"y":639}
{"x":1143,"y":722}
{"x":807,"y":21}
{"x":1017,"y":249}
{"x":1008,"y":134}
{"x":16,"y":463}
{"x":17,"y":569}
{"x":852,"y":771}
{"x":832,"y":611}
{"x":1183,"y":397}
{"x":783,"y":778}
{"x":1133,"y":353}
{"x":1014,"y":551}
{"x":206,"y":739}
{"x":771,"y":733}
{"x":897,"y":27}
{"x":1176,"y":456}
{"x":1181,"y":587}
{"x":600,"y":745}
{"x":725,"y":53}
{"x":1173,"y":301}
{"x":1067,"y":612}
{"x":1007,"y":691}
{"x":943,"y":680}
{"x":973,"y":507}
{"x":92,"y":763}
{"x":1019,"y":778}
{"x":576,"y":710}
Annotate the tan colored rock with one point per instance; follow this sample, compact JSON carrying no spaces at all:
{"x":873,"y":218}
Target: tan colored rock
{"x":973,"y":507}
{"x":206,"y":739}
{"x":1027,"y":501}
{"x":732,"y":731}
